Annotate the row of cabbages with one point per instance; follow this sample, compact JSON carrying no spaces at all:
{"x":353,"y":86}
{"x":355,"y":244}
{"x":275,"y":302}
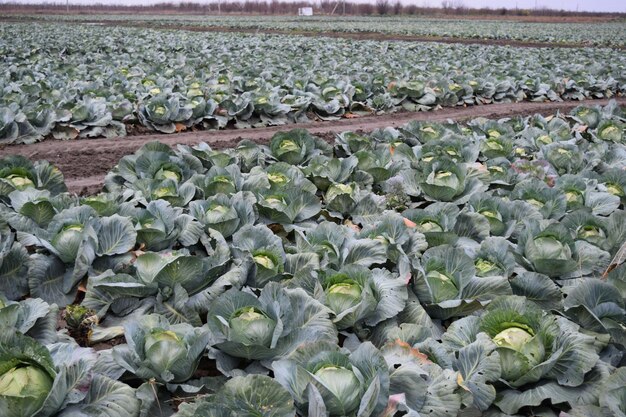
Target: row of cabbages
{"x":435,"y":269}
{"x":73,"y":82}
{"x":607,"y":33}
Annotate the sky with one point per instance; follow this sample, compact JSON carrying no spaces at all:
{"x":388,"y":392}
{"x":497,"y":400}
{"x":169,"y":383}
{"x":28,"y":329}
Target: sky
{"x":582,"y":5}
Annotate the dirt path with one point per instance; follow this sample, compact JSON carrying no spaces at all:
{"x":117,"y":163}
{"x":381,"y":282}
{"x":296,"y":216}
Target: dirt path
{"x":85,"y":162}
{"x":377,"y":36}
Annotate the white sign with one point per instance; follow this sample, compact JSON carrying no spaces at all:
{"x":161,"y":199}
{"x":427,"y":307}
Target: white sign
{"x":305,"y":11}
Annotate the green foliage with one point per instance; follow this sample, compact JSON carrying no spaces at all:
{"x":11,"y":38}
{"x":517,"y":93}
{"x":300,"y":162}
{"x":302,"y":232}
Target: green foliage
{"x":310,"y":279}
{"x":172,"y":81}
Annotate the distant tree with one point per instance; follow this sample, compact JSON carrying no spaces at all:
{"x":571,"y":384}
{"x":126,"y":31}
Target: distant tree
{"x":411,"y":9}
{"x":274,"y":7}
{"x":366,"y":9}
{"x":397,"y":7}
{"x":447,"y":5}
{"x":426,"y":7}
{"x":382,"y":6}
{"x":326,"y":6}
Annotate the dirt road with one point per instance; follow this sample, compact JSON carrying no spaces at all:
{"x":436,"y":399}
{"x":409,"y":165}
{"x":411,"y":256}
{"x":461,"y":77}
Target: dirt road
{"x":85,"y":162}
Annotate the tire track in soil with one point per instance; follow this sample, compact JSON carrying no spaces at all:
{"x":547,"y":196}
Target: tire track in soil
{"x":85,"y":162}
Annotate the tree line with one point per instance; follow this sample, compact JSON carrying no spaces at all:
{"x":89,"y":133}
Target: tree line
{"x":278,"y":7}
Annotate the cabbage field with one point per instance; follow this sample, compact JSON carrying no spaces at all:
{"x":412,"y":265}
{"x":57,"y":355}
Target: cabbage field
{"x":434,"y":269}
{"x":609,"y":33}
{"x":462,"y":267}
{"x":69,"y":81}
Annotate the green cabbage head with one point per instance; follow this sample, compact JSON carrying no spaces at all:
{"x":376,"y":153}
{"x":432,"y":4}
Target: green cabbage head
{"x":27,"y":375}
{"x":24,"y":389}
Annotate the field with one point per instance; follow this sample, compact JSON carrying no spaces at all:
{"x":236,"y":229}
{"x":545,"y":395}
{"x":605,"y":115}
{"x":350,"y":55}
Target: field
{"x":90,"y":81}
{"x":196,"y":220}
{"x":604,"y":33}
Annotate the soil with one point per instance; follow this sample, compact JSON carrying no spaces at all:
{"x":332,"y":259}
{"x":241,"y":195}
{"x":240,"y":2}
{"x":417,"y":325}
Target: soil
{"x":85,"y":162}
{"x":119,"y":340}
{"x":377,"y":36}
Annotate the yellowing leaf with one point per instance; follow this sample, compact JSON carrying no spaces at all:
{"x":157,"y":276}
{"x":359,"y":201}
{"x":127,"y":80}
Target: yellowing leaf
{"x":461,"y":382}
{"x":582,"y":128}
{"x":409,"y":223}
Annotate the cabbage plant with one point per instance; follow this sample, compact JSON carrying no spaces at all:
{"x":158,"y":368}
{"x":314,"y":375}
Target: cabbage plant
{"x":550,"y":202}
{"x":446,"y":281}
{"x":224,"y":214}
{"x":14,"y":265}
{"x":339,"y":246}
{"x":75,"y":237}
{"x":610,"y":130}
{"x":296,"y":146}
{"x":32,"y":317}
{"x":193,"y":273}
{"x":25,"y":385}
{"x":454,"y":147}
{"x":444,"y":180}
{"x":163,"y":112}
{"x":357,"y":294}
{"x":59,"y":379}
{"x":334,"y":381}
{"x":219,"y":180}
{"x":243,"y":395}
{"x":154,"y":161}
{"x":156,"y":349}
{"x":497,"y":211}
{"x":547,"y":248}
{"x":160,"y":225}
{"x":436,"y":222}
{"x":259,"y":244}
{"x":542,"y":356}
{"x":588,"y":116}
{"x":18,"y":173}
{"x":288,"y":205}
{"x":324,"y":171}
{"x":270,"y":326}
{"x":400,"y":237}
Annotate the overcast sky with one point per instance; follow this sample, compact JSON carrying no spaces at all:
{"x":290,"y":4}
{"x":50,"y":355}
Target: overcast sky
{"x":582,"y":5}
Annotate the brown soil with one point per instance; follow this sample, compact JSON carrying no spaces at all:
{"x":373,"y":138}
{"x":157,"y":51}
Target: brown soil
{"x":119,"y":340}
{"x":341,"y":35}
{"x":85,"y":162}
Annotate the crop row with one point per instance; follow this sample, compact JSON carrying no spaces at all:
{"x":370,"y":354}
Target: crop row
{"x":87,"y":81}
{"x":592,"y":34}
